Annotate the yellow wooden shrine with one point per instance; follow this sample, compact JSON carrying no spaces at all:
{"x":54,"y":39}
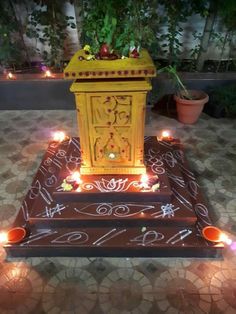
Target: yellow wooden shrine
{"x":110,"y":101}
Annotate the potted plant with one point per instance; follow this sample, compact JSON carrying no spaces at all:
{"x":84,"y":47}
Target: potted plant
{"x":189,"y":103}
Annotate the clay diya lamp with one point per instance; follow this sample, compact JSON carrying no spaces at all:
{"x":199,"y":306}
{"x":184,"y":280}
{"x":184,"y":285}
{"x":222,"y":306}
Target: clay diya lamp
{"x":70,"y":179}
{"x":59,"y":137}
{"x":16,"y":235}
{"x":214,"y":234}
{"x":166,"y":136}
{"x":74,"y":179}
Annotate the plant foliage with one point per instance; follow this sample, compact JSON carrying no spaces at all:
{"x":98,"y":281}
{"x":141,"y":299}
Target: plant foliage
{"x":11,"y":47}
{"x":121,"y":24}
{"x":224,"y":99}
{"x":158,"y":25}
{"x":176,"y":80}
{"x":48,"y":24}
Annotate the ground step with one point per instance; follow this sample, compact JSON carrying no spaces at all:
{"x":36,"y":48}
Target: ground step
{"x":111,"y":214}
{"x":115,"y":242}
{"x":170,"y":156}
{"x":161,"y":158}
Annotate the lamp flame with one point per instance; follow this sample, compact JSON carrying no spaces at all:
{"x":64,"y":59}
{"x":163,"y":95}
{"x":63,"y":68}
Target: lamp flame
{"x":59,"y":136}
{"x":144,"y":178}
{"x":224,"y":238}
{"x":144,"y":181}
{"x":165,"y":134}
{"x":10,"y":76}
{"x":112,"y":156}
{"x":48,"y":73}
{"x":76,"y":176}
{"x":3,"y":237}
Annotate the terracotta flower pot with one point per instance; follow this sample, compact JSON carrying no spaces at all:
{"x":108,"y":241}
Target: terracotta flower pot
{"x":189,"y":110}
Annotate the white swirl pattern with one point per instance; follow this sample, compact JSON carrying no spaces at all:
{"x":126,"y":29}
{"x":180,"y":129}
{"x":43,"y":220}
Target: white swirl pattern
{"x":108,"y":209}
{"x":155,"y":162}
{"x":112,"y":185}
{"x":74,"y":237}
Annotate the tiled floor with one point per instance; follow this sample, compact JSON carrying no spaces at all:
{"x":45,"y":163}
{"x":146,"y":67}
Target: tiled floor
{"x":112,"y":285}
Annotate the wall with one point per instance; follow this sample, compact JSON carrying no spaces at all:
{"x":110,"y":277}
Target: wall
{"x":55,"y":94}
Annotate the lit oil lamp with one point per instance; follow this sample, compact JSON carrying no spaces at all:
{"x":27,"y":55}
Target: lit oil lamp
{"x":60,"y":136}
{"x":72,"y":182}
{"x":166,"y":136}
{"x":214,"y":234}
{"x":112,"y":156}
{"x":149,"y":183}
{"x":144,"y":181}
{"x":48,"y":74}
{"x":14,"y":235}
{"x":10,"y":76}
{"x":3,"y":237}
{"x":74,"y":178}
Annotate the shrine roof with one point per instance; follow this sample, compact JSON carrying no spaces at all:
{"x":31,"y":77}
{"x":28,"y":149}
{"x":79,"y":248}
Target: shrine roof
{"x":94,"y":69}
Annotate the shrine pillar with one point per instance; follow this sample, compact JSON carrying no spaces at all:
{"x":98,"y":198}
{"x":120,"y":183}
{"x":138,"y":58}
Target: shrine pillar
{"x":111,"y":103}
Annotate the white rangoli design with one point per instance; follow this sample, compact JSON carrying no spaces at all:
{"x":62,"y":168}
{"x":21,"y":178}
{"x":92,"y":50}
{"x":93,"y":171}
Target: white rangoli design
{"x":112,"y":185}
{"x":37,"y":189}
{"x":154,"y":162}
{"x":148,"y":238}
{"x":179,"y":236}
{"x":73,"y":237}
{"x":167,"y":210}
{"x":108,"y":209}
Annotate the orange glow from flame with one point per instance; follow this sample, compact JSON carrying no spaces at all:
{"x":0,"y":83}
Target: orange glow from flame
{"x":48,"y":73}
{"x":144,"y":181}
{"x":165,"y":134}
{"x":224,"y":238}
{"x":3,"y":237}
{"x":144,"y":178}
{"x":76,"y":176}
{"x":11,"y":76}
{"x":59,"y":136}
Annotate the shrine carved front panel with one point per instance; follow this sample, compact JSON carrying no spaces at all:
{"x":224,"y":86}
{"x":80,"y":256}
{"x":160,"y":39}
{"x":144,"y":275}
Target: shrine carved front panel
{"x":111,"y":129}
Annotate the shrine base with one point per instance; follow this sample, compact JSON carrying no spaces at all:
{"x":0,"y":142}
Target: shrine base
{"x":131,"y":226}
